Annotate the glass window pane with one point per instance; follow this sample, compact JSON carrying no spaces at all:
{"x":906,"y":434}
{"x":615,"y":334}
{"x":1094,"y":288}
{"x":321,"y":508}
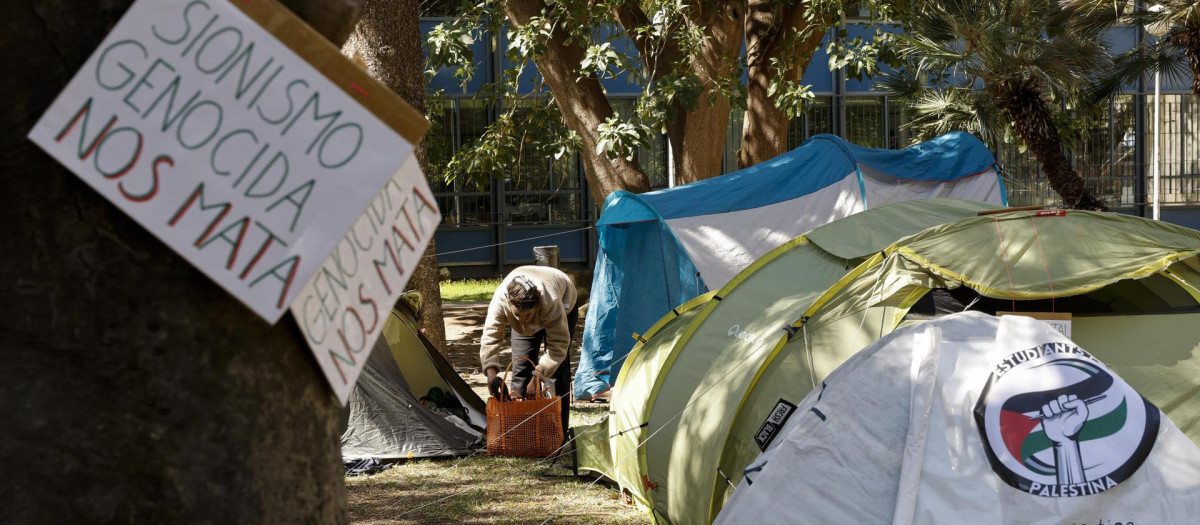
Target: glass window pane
{"x":816,"y":119}
{"x":1123,"y":137}
{"x":1177,"y":148}
{"x":543,"y":174}
{"x":462,"y":202}
{"x":864,"y":121}
{"x":653,"y":160}
{"x":1023,"y":178}
{"x":652,"y":157}
{"x":733,"y":140}
{"x":898,"y":136}
{"x":1106,"y":158}
{"x":473,"y":118}
{"x":539,"y":171}
{"x":623,"y":107}
{"x":474,"y":210}
{"x":445,"y":203}
{"x":1186,"y":185}
{"x":439,"y":147}
{"x":542,"y":208}
{"x":1106,"y":146}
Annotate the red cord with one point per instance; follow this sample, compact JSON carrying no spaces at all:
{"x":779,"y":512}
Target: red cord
{"x":1007,"y":272}
{"x":1045,"y":264}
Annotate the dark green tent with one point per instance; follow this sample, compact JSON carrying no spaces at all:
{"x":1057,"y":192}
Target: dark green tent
{"x":408,"y":398}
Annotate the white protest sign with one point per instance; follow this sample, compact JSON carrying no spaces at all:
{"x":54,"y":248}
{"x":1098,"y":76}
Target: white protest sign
{"x":1057,"y":320}
{"x":343,"y":308}
{"x":249,"y":152}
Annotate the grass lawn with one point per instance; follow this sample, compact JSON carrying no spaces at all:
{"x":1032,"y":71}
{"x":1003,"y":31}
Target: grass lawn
{"x":469,"y":290}
{"x":482,"y":489}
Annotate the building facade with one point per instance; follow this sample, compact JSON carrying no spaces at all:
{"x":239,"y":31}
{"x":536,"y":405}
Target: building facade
{"x":546,"y":202}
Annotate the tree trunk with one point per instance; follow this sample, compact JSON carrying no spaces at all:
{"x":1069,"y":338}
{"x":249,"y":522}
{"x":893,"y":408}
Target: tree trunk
{"x":697,"y":137}
{"x":583,"y":105}
{"x":768,"y":25}
{"x":134,"y":388}
{"x":387,"y":40}
{"x":698,"y":141}
{"x":1021,"y":101}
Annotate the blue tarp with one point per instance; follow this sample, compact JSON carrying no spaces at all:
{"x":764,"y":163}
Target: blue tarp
{"x":819,"y":162}
{"x":643,"y":271}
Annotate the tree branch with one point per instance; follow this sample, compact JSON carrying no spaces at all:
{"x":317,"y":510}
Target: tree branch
{"x":654,"y":52}
{"x":582,"y":102}
{"x":785,"y":36}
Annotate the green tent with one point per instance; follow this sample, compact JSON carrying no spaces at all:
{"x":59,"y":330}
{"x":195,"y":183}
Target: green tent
{"x":409,"y":402}
{"x":691,"y":401}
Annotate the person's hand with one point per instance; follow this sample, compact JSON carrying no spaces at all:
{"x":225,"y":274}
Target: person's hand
{"x":1064,"y":417}
{"x":531,"y":389}
{"x":496,"y":385}
{"x":547,"y":385}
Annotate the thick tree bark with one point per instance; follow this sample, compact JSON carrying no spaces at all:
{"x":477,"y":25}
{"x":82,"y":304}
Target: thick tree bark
{"x":583,"y":106}
{"x":1021,"y":101}
{"x":697,"y":137}
{"x":768,"y":25}
{"x":387,"y":40}
{"x":134,"y":389}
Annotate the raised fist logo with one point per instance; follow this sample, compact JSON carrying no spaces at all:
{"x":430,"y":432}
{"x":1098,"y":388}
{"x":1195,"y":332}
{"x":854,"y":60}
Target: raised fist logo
{"x":1047,"y":408}
{"x":1062,"y":420}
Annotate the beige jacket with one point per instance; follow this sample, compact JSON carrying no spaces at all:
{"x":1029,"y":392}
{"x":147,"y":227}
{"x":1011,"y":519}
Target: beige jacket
{"x":558,"y":298}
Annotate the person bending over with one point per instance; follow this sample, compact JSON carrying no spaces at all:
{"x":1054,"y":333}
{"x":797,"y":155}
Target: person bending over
{"x":538,"y":304}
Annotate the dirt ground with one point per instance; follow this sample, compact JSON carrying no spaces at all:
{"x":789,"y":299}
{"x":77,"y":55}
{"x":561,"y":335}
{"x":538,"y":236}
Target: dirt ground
{"x":479,"y":489}
{"x":464,"y":326}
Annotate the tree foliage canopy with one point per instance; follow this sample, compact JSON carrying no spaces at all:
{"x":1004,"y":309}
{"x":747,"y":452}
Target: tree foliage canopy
{"x":1171,"y":54}
{"x":1019,"y":69}
{"x":956,"y":54}
{"x":693,"y":61}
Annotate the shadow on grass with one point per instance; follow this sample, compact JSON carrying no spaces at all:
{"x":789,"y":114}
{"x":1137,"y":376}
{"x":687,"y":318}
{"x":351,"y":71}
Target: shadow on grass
{"x":484,"y":490}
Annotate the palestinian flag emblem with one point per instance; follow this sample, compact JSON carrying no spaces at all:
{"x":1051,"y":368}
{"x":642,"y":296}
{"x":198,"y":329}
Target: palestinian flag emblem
{"x":1057,"y":423}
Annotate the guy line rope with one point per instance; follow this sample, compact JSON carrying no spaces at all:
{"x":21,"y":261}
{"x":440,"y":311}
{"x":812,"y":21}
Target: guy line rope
{"x":753,"y":352}
{"x":512,"y":242}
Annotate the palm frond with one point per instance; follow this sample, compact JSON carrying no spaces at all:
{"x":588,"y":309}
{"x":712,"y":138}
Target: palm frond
{"x":1128,"y":67}
{"x":903,"y":85}
{"x":936,"y":112}
{"x":1094,"y":17}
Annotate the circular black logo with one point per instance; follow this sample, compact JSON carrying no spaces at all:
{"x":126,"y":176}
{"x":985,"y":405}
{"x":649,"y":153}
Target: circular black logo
{"x":1057,"y":423}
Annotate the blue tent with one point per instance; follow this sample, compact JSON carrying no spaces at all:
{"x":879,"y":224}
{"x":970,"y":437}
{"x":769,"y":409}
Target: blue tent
{"x":661,"y":248}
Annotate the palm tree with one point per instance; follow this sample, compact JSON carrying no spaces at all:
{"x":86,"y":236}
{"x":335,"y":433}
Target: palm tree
{"x":1175,"y":54}
{"x":999,"y":68}
{"x":1183,"y":18}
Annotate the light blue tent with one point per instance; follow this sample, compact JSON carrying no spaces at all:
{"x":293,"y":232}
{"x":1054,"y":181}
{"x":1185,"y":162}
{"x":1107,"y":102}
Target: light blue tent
{"x":661,"y":248}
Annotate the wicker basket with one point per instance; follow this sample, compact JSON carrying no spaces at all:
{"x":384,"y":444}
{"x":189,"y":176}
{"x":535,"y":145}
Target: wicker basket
{"x":524,"y":429}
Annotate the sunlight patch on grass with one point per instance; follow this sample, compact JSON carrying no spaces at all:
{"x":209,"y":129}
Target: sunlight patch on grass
{"x":584,"y":413}
{"x":469,"y":290}
{"x":484,"y":489}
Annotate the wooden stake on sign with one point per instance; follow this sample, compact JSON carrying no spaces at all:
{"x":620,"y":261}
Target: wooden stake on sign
{"x":1059,"y":320}
{"x":264,"y":232}
{"x":323,"y":56}
{"x":1009,"y":210}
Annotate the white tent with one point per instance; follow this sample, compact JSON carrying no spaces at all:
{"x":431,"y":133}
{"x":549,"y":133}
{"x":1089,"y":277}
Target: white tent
{"x":660,"y":249}
{"x":893,"y":436}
